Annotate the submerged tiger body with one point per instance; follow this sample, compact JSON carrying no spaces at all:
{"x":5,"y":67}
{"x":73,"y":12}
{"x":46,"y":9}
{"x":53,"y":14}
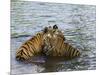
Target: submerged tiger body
{"x":35,"y":45}
{"x":55,"y":46}
{"x":49,"y":42}
{"x":30,"y":48}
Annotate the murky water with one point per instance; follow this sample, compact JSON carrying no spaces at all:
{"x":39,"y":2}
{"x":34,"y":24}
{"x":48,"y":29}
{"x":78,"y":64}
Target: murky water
{"x":78,"y":23}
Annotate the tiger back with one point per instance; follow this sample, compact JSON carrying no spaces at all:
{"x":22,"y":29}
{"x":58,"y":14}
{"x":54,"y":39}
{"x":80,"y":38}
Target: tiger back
{"x":35,"y":45}
{"x":55,"y":46}
{"x":31,"y":47}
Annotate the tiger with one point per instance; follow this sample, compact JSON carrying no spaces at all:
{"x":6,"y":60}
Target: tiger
{"x":56,"y":46}
{"x":31,"y":47}
{"x":34,"y":46}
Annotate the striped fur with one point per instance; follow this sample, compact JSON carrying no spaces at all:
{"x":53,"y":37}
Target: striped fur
{"x":35,"y":45}
{"x":55,"y":46}
{"x":49,"y":42}
{"x":30,"y":48}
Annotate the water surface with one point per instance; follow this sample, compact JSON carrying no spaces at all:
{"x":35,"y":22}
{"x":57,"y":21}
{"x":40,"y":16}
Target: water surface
{"x":77,"y":22}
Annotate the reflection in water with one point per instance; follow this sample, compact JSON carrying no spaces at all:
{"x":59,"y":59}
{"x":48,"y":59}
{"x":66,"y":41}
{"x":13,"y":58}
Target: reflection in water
{"x":77,"y":22}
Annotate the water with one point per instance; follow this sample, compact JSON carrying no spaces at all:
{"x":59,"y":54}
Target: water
{"x":78,"y":23}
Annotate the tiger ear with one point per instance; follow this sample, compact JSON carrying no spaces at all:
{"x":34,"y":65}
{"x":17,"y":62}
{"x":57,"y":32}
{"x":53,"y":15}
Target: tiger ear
{"x":55,"y":27}
{"x":45,"y":30}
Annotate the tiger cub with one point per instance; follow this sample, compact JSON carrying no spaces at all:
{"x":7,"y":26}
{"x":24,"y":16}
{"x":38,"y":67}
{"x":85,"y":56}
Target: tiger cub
{"x":35,"y":45}
{"x":55,"y":46}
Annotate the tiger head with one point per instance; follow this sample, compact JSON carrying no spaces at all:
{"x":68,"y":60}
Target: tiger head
{"x":50,"y":36}
{"x":53,"y":32}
